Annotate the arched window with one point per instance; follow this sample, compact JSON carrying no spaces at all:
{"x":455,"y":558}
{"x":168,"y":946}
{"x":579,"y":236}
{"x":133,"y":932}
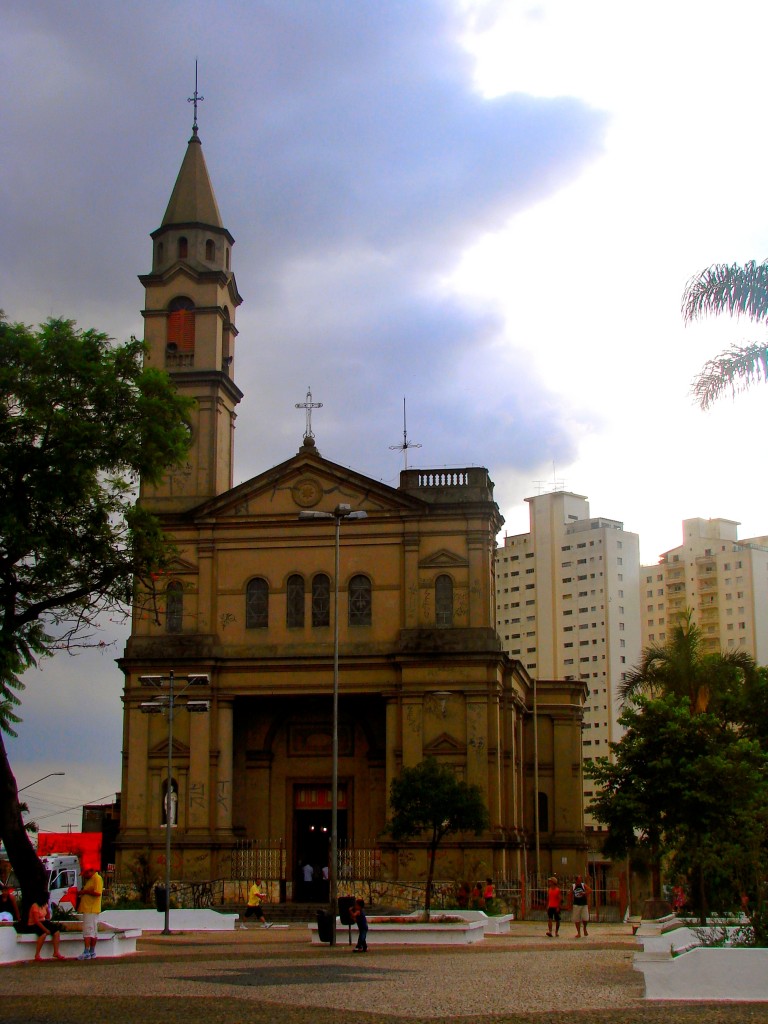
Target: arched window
{"x":321,"y":600}
{"x":443,"y":600}
{"x":181,"y":325}
{"x":294,"y":610}
{"x":257,"y":604}
{"x":182,"y":248}
{"x":360,"y":601}
{"x":174,"y":607}
{"x":543,"y":812}
{"x":226,"y":257}
{"x":210,"y":250}
{"x":160,"y":251}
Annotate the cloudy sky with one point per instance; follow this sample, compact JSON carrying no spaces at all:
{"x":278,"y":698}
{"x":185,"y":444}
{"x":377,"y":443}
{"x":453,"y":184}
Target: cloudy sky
{"x":490,"y":208}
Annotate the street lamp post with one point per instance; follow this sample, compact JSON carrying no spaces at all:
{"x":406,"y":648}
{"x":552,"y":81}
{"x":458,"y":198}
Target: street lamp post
{"x":340,"y":512}
{"x":166,"y":702}
{"x":48,"y":776}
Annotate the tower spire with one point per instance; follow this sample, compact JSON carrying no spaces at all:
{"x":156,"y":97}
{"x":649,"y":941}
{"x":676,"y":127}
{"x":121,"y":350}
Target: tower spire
{"x":195,"y":98}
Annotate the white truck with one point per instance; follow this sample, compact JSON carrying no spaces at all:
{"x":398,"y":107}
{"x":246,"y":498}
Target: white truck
{"x":63,"y":872}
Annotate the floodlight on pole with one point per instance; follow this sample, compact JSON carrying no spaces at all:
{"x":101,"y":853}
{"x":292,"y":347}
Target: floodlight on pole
{"x":342,"y":511}
{"x":166,"y":702}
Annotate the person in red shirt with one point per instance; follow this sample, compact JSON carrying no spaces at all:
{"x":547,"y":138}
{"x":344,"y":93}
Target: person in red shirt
{"x":39,"y":920}
{"x":554,"y":903}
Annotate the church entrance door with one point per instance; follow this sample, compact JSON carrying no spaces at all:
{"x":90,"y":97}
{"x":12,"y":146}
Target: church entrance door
{"x":312,"y":840}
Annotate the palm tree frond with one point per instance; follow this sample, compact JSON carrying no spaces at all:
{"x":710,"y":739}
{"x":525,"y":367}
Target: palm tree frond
{"x":735,"y":370}
{"x":735,"y":289}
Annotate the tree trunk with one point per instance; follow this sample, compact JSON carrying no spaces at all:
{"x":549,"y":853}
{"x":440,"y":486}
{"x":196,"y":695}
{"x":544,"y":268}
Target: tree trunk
{"x":19,"y":850}
{"x":430,"y":876}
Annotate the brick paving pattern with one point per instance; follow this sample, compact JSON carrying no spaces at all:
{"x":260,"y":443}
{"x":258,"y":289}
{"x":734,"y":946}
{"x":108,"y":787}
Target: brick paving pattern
{"x":257,"y":976}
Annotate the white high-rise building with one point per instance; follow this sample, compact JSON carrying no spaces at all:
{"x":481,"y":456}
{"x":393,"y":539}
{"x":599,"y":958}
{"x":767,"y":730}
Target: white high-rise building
{"x":567,"y":605}
{"x":722,"y":580}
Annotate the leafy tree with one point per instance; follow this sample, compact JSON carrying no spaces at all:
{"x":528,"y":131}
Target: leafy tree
{"x":739,"y":291}
{"x":80,"y":421}
{"x":688,"y":787}
{"x":683,"y":667}
{"x":429,"y":798}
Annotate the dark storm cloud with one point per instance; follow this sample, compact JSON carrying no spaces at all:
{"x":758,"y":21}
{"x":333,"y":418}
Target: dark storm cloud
{"x":353,"y":162}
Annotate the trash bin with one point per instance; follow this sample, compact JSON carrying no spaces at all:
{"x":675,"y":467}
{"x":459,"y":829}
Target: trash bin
{"x":345,"y":909}
{"x":161,"y":898}
{"x":325,"y":925}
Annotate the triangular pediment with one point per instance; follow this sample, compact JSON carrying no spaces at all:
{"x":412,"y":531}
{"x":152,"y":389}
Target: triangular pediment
{"x":443,"y":559}
{"x":444,"y":744}
{"x":180,"y":750}
{"x":307,"y":482}
{"x":180,"y":567}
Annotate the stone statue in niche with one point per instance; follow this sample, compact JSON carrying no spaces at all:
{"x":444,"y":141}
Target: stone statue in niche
{"x":170,"y":803}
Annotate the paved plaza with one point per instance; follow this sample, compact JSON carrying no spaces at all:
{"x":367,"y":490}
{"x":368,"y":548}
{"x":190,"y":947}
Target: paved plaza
{"x":260,"y":975}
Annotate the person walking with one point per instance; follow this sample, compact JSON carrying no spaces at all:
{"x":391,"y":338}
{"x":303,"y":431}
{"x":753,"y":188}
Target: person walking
{"x":554,"y":903}
{"x":255,"y":906}
{"x":358,"y":913}
{"x":580,"y":902}
{"x":89,"y":905}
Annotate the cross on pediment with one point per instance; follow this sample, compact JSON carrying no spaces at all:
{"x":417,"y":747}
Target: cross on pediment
{"x":309,"y":405}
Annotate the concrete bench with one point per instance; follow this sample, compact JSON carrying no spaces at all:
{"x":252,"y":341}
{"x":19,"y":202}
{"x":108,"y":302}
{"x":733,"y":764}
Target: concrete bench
{"x":16,"y":947}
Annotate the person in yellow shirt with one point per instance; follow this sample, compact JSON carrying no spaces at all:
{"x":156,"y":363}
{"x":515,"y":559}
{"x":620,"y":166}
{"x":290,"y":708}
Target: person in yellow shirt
{"x":89,"y":905}
{"x":255,"y":907}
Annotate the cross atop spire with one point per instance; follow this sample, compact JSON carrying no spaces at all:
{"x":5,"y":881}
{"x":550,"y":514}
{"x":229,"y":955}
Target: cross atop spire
{"x":196,"y":98}
{"x":309,"y":405}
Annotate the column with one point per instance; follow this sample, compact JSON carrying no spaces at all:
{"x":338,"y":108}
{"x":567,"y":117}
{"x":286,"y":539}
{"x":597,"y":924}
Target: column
{"x":477,"y":742}
{"x":224,"y":769}
{"x":135,"y":812}
{"x":413,"y":729}
{"x":199,"y":796}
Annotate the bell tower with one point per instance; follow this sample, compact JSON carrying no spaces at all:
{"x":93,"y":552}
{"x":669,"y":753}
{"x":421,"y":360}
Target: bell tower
{"x":189,"y":313}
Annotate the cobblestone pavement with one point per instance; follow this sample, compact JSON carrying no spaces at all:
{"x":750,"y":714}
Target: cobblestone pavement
{"x":259,"y":976}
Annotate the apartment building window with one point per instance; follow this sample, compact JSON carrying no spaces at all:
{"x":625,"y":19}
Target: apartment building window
{"x":621,"y":593}
{"x":619,"y":560}
{"x":567,"y":611}
{"x":568,"y":643}
{"x":742,"y":625}
{"x":729,"y":626}
{"x":622,"y":643}
{"x":621,"y":609}
{"x":566,"y":579}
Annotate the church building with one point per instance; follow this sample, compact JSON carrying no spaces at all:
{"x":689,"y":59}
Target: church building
{"x":247,"y":610}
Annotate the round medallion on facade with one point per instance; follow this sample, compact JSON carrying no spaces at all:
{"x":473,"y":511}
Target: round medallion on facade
{"x":307,"y":492}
